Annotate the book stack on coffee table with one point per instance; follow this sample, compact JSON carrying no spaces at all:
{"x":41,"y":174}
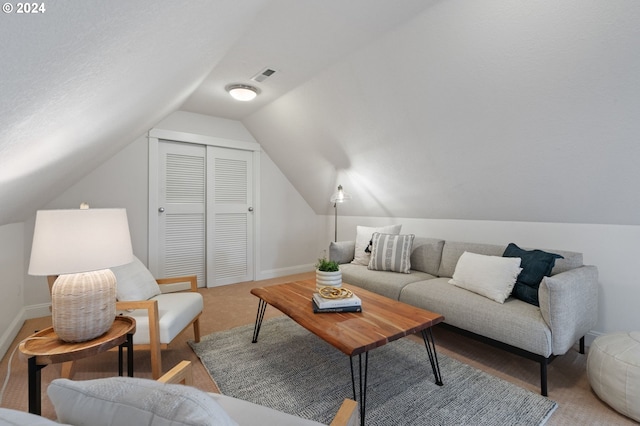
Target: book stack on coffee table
{"x":344,"y":304}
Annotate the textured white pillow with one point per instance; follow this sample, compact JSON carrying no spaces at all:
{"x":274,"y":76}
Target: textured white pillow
{"x":133,"y":401}
{"x":135,"y":282}
{"x":391,"y":252}
{"x":363,"y":236}
{"x":489,"y":276}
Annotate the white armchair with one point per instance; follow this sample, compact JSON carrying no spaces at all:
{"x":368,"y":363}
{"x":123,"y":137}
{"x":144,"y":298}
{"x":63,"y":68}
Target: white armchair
{"x":162,"y":308}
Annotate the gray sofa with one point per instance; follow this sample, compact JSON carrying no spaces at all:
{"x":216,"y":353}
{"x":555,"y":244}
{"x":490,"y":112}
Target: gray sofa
{"x":568,"y":298}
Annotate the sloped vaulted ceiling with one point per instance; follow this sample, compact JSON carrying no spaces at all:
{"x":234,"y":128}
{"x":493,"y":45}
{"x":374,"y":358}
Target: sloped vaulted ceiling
{"x":486,"y":110}
{"x":82,"y":79}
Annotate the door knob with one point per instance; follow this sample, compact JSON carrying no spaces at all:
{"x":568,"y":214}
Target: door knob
{"x":250,"y":209}
{"x":161,"y":209}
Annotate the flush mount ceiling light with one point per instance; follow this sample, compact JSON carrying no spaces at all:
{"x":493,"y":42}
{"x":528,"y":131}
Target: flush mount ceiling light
{"x":242,"y":92}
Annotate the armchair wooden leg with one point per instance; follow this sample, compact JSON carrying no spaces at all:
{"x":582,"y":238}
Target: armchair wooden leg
{"x":154,"y":342}
{"x":66,"y":370}
{"x":156,"y":360}
{"x":196,"y":330}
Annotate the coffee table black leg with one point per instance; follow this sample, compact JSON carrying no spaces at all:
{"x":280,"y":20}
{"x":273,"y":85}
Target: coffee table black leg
{"x":35,"y":389}
{"x":262,"y":307}
{"x":430,"y":344}
{"x":362,"y":375}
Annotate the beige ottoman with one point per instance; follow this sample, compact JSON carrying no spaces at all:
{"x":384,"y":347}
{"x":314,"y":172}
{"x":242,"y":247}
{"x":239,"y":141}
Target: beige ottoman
{"x":613,"y":368}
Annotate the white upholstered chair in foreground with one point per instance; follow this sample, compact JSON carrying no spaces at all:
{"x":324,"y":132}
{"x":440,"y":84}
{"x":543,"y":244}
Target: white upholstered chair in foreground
{"x":128,"y":401}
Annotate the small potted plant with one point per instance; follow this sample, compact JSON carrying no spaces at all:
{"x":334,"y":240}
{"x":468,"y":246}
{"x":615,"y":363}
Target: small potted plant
{"x":328,"y":273}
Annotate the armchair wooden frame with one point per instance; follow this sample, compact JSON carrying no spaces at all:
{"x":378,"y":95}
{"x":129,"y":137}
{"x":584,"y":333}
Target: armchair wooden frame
{"x":151,"y":306}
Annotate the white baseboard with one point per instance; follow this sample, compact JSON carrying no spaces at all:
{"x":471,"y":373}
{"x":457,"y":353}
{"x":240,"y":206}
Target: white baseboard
{"x":281,"y":272}
{"x":28,"y":312}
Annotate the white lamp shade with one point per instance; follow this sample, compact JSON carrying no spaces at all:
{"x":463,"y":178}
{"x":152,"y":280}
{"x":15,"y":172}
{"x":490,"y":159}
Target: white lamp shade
{"x":340,"y":196}
{"x":82,"y":240}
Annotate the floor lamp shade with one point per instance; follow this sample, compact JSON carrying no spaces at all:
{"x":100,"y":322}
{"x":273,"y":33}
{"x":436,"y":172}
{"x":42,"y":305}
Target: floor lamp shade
{"x":338,"y":197}
{"x":79,"y":246}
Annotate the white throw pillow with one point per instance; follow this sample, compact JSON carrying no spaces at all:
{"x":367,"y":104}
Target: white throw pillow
{"x":489,"y":276}
{"x":363,"y":236}
{"x":133,"y":401}
{"x":135,"y":282}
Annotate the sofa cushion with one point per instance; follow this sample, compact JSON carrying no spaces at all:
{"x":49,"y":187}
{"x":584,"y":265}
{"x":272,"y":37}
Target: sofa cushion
{"x":571,"y":260}
{"x":175,"y":312}
{"x":10,"y":417}
{"x":426,"y":254}
{"x":134,"y":281}
{"x":535,"y":265}
{"x":133,"y":401}
{"x":391,"y":252}
{"x":386,"y":283}
{"x":342,"y":251}
{"x":515,"y":322}
{"x":489,"y":276}
{"x":363,"y":237}
{"x":452,"y":250}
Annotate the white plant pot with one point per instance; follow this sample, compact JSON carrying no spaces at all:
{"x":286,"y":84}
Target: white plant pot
{"x":333,"y":279}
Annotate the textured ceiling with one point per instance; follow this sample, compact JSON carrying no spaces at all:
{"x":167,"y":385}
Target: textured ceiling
{"x":83,"y":79}
{"x":492,"y":109}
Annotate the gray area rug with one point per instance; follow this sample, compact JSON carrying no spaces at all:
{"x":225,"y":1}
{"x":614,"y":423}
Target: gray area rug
{"x":294,"y":371}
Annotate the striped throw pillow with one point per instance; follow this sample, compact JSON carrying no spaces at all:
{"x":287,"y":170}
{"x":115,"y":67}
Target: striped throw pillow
{"x":391,"y":252}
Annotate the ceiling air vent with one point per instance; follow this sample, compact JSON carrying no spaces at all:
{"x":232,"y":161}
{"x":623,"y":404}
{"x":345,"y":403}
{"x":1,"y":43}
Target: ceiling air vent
{"x":263,"y":75}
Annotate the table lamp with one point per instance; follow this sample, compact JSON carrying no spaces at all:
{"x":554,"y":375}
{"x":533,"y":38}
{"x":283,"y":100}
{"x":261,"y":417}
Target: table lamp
{"x":338,"y":197}
{"x":79,"y":246}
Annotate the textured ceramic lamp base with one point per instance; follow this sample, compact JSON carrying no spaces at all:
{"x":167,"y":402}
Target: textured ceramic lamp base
{"x":83,"y":306}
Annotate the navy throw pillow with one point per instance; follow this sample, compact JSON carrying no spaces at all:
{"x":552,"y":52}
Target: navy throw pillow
{"x":535,"y":265}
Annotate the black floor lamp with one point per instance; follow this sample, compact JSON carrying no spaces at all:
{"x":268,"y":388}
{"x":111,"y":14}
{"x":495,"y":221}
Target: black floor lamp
{"x":338,"y":197}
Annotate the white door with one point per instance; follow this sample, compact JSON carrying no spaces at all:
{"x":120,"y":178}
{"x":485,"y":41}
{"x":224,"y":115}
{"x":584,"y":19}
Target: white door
{"x":230,"y":195}
{"x":204,"y":213}
{"x":182,"y":210}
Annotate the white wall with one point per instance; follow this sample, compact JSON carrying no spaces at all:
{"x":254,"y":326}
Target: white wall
{"x":11,"y":272}
{"x":288,"y":230}
{"x":612,"y":248}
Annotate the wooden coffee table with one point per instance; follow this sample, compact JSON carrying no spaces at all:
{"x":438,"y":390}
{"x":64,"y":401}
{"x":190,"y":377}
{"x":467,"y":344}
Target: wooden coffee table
{"x":381,"y":321}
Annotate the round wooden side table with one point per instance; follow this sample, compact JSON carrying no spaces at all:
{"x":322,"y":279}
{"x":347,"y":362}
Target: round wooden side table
{"x":44,"y":347}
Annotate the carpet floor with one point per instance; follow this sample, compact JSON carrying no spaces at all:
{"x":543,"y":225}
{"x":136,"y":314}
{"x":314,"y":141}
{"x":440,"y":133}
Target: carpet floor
{"x":294,"y":371}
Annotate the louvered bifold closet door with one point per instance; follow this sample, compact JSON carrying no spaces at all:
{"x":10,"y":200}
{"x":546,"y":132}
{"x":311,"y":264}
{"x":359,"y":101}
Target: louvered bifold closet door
{"x":232,"y":238}
{"x":182,"y":221}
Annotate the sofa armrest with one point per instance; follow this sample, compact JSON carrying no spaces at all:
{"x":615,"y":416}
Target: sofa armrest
{"x":342,"y":251}
{"x":569,"y":305}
